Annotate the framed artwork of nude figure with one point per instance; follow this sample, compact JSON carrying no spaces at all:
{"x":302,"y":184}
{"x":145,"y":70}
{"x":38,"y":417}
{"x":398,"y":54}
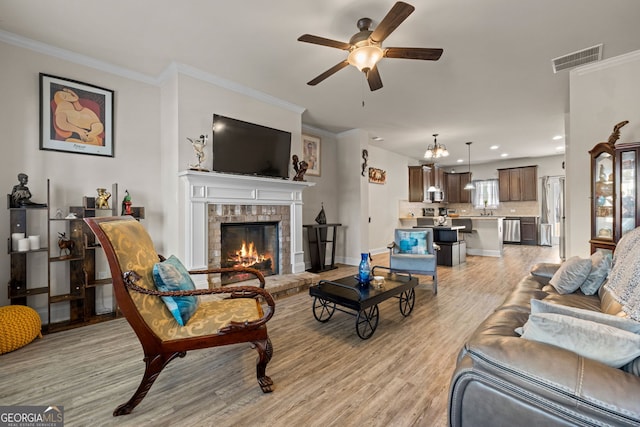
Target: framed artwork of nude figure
{"x":75,"y":117}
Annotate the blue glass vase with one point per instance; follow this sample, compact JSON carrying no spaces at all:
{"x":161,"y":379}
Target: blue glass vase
{"x":364,"y":271}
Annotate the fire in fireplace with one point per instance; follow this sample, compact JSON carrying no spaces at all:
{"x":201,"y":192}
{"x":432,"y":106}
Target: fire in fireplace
{"x":252,"y":245}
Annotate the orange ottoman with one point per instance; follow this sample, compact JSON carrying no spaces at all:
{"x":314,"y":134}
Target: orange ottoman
{"x":19,"y":325}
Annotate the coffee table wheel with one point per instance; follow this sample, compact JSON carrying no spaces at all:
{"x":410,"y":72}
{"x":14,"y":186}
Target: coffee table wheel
{"x":407,"y":301}
{"x":367,"y":322}
{"x":323,"y":309}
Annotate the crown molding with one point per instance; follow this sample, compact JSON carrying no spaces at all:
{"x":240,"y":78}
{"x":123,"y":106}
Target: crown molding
{"x":171,"y":69}
{"x":607,"y":63}
{"x":196,"y":73}
{"x":76,"y":58}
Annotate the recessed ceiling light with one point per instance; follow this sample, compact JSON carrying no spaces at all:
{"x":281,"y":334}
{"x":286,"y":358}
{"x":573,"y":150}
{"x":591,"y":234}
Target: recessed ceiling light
{"x":504,"y":154}
{"x":560,"y":148}
{"x":557,"y":137}
{"x":494,"y":147}
{"x":377,"y":138}
{"x":460,"y":160}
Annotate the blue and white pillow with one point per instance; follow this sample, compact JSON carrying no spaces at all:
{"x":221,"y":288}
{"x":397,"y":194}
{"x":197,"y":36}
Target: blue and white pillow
{"x":413,"y":242}
{"x":171,"y":275}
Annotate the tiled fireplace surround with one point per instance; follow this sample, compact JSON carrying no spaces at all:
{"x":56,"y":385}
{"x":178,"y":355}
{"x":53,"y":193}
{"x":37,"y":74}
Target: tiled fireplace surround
{"x":210,"y":199}
{"x":221,"y":213}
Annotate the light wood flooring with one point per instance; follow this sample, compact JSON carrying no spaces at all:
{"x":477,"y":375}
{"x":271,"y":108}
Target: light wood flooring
{"x":324,"y":374}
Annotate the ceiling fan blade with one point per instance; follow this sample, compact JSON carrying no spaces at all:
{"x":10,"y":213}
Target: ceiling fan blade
{"x":339,"y":66}
{"x":373,"y":78}
{"x":424,"y":53}
{"x":308,"y":38}
{"x":398,"y":13}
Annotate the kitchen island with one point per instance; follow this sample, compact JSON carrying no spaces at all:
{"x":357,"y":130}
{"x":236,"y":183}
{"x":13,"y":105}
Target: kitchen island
{"x":485,"y":239}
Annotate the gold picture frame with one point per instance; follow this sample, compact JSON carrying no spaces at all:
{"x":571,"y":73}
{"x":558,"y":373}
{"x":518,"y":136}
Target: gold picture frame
{"x":311,"y":154}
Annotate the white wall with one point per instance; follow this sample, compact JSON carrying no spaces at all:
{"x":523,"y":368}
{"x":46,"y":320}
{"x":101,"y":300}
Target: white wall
{"x":353,"y":199}
{"x":136,"y":141}
{"x":601,"y":95}
{"x":383,"y":199}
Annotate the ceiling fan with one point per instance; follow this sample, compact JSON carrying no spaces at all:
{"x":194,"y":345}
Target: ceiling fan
{"x":365,"y":47}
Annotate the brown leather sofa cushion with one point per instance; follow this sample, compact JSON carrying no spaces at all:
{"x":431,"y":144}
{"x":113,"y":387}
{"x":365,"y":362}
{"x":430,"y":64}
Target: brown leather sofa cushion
{"x":544,"y":271}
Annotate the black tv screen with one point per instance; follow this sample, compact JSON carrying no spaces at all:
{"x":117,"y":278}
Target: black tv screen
{"x":250,"y":149}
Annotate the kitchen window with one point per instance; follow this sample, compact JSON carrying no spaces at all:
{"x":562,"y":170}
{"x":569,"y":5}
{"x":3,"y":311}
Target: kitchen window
{"x":486,"y":194}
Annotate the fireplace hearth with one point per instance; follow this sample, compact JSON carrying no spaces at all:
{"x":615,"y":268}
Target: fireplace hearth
{"x":249,"y":244}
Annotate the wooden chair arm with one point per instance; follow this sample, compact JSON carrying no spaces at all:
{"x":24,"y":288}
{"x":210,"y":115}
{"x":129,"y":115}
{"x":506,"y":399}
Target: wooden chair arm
{"x":253,"y":271}
{"x":130,"y":277}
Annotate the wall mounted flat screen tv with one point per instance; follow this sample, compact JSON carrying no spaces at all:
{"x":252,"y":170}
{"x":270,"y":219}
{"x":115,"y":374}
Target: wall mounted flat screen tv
{"x":250,"y":149}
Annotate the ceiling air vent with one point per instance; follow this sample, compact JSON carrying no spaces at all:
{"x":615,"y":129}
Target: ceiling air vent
{"x":581,"y":57}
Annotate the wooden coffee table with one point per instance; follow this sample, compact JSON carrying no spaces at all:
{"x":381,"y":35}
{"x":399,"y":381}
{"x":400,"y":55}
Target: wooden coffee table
{"x":347,"y":296}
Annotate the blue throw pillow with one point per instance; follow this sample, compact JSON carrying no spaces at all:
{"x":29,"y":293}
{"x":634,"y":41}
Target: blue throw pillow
{"x":171,"y":275}
{"x":413,"y":242}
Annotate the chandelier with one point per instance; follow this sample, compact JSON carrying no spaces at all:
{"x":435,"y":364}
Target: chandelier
{"x":435,"y":150}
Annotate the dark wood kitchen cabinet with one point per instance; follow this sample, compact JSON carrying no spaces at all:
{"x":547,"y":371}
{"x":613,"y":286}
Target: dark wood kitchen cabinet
{"x":416,"y":184}
{"x":518,"y":184}
{"x":454,"y":191}
{"x":529,"y":230}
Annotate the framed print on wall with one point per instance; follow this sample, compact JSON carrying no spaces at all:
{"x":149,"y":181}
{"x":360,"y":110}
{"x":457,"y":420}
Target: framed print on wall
{"x":311,"y":154}
{"x":75,"y":117}
{"x":377,"y":176}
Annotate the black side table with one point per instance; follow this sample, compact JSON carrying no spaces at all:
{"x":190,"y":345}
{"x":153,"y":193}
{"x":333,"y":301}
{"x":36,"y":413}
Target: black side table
{"x":318,"y":236}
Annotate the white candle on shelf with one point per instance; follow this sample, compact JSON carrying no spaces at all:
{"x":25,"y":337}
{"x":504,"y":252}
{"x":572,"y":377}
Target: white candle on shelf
{"x":34,"y":242}
{"x":23,"y":245}
{"x":15,"y":238}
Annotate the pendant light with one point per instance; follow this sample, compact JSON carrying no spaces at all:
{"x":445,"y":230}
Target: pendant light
{"x":469,"y":185}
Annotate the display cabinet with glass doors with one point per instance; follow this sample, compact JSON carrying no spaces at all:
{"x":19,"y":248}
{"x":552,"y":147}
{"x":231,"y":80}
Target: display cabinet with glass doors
{"x":627,"y":216}
{"x":603,"y":197}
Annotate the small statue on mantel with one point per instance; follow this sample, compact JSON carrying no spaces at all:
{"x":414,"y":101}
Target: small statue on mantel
{"x":299,"y":167}
{"x":615,"y":135}
{"x":198,"y":146}
{"x":21,"y":196}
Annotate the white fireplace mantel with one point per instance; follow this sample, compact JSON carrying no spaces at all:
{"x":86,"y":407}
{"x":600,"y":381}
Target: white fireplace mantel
{"x":199,"y":189}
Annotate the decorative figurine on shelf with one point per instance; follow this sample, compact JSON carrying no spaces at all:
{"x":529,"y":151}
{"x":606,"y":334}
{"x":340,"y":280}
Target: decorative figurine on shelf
{"x":64,"y":243}
{"x":365,"y":157}
{"x":102,"y":201}
{"x":21,"y":196}
{"x":299,"y":167}
{"x":198,"y":146}
{"x":615,"y":135}
{"x":126,"y":204}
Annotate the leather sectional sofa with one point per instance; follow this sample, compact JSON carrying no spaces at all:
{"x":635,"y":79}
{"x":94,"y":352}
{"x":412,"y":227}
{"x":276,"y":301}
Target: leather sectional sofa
{"x":502,"y":379}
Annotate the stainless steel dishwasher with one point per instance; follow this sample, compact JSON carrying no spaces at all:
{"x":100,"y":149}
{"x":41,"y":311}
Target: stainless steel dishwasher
{"x":511,"y":230}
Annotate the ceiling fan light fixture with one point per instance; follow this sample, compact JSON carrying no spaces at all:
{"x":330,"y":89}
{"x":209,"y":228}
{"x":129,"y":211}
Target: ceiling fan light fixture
{"x":365,"y":57}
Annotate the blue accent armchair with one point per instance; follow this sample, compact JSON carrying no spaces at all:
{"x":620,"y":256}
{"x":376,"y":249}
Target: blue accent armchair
{"x":413,"y":251}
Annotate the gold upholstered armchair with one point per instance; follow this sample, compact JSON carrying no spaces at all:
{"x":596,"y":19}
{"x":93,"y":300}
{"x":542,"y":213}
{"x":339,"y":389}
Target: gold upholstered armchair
{"x":169,"y":316}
